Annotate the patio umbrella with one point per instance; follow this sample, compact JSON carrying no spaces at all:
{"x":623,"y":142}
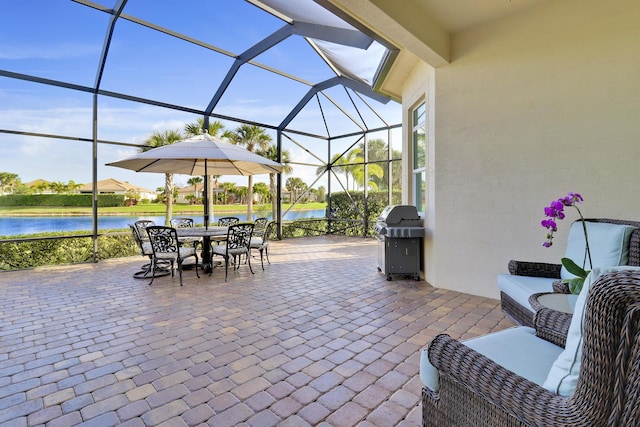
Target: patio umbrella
{"x":200,"y":155}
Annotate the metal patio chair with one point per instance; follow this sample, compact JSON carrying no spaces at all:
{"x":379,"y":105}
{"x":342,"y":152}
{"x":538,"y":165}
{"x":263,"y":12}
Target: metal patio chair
{"x":145,"y":250}
{"x":141,"y":227}
{"x":236,"y":245}
{"x":259,"y":225}
{"x":166,"y":247}
{"x":185,"y":223}
{"x":226,"y":221}
{"x":262,"y":243}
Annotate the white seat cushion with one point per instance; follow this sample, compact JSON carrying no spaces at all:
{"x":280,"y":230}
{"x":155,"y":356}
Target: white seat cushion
{"x":516,"y":349}
{"x":222,"y":250}
{"x":520,"y":288}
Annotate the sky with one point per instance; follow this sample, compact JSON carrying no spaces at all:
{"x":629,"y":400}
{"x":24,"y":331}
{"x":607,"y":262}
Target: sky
{"x":62,"y":40}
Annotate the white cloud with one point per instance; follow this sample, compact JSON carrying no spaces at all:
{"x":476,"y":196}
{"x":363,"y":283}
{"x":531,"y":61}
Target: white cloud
{"x":122,"y":121}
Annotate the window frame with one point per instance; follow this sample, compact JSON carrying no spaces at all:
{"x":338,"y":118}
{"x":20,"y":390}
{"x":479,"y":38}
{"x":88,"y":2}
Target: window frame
{"x":418,"y":144}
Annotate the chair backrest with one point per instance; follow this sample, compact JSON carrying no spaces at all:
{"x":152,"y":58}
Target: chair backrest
{"x":136,"y":238}
{"x":181,"y":222}
{"x":268,"y":231}
{"x":226,"y":221}
{"x":239,"y":236}
{"x":141,"y":226}
{"x":611,"y":351}
{"x":259,"y":225}
{"x":163,"y":239}
{"x":634,"y":242}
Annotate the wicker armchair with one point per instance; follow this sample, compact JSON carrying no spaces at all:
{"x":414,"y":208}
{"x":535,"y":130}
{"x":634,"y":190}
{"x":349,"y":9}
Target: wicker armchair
{"x":524,"y":315}
{"x":476,"y":391}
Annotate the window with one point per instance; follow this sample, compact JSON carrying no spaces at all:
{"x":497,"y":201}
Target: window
{"x":418,"y":143}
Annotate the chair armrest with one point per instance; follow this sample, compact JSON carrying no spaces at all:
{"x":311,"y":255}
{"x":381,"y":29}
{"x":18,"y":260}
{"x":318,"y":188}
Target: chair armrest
{"x":552,"y":325}
{"x":561,"y":287}
{"x":481,"y":376}
{"x":535,"y":269}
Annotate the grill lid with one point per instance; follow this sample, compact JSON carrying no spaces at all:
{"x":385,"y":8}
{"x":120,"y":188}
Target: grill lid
{"x":400,"y":216}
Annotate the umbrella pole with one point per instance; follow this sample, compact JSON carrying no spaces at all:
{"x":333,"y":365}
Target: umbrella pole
{"x":206,"y":196}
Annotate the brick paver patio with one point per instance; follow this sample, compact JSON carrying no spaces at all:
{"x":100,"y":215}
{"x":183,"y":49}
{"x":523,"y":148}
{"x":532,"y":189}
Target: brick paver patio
{"x":318,"y":338}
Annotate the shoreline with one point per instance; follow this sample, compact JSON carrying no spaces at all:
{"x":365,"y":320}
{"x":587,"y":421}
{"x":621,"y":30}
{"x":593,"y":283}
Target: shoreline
{"x":150,"y":213}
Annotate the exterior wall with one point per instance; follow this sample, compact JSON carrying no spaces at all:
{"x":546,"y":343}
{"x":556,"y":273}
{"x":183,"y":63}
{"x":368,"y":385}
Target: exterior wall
{"x":531,"y":107}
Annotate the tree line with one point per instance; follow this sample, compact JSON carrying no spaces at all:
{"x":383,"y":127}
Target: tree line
{"x":10,"y":183}
{"x":251,"y":137}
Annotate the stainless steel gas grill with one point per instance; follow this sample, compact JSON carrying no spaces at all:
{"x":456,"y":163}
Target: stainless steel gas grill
{"x":399,"y":231}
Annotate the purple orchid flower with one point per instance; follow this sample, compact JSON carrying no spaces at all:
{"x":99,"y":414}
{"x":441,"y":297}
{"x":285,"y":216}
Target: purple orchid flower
{"x":555,"y":210}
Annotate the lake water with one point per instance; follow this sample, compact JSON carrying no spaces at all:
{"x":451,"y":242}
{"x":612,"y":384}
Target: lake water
{"x":17,"y":225}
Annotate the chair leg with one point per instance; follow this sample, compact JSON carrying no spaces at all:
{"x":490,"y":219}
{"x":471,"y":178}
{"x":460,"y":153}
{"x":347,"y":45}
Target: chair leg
{"x":153,"y":270}
{"x":261,"y":258}
{"x":266,"y":252}
{"x":180,"y":270}
{"x":226,"y":267}
{"x":249,"y":262}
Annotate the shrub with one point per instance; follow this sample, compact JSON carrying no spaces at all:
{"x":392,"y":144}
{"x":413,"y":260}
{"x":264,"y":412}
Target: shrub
{"x":70,"y":200}
{"x":350,"y":215}
{"x":35,"y":253}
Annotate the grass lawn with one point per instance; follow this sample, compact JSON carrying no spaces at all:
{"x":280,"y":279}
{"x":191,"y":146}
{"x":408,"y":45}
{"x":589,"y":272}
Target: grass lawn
{"x":146,"y":209}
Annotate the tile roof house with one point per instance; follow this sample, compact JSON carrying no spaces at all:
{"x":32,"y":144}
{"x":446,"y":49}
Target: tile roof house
{"x":114,"y":186}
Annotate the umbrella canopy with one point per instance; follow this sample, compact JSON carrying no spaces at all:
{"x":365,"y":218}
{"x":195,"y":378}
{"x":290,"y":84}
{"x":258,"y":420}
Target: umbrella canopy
{"x":200,"y":155}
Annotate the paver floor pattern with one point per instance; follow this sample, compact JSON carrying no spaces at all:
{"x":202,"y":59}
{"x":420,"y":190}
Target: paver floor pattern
{"x":319,"y":337}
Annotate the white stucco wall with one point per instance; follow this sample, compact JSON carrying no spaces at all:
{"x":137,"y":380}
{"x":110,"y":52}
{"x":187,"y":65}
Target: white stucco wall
{"x":531,"y":107}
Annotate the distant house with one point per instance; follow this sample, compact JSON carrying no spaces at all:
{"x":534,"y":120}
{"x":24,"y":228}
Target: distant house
{"x":39,"y":186}
{"x":114,"y":186}
{"x":185,"y":193}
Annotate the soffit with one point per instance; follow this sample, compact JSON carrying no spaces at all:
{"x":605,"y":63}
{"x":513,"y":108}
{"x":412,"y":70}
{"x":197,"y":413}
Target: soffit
{"x":421,"y":29}
{"x":460,"y":15}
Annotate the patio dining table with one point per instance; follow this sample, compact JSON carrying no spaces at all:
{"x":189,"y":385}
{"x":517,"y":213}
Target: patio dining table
{"x":212,"y":233}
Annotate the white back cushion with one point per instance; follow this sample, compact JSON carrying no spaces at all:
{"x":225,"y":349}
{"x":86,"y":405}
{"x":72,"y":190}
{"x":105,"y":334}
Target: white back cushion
{"x":608,"y":243}
{"x":564,"y":373}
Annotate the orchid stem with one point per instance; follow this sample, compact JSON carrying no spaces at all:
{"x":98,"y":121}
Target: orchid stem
{"x":586,"y":237}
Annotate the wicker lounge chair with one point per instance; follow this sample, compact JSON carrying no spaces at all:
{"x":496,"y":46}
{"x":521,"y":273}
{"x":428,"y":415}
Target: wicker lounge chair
{"x":524,"y":315}
{"x":476,"y":391}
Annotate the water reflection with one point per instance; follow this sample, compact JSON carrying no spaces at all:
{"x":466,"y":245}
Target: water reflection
{"x":13,"y":226}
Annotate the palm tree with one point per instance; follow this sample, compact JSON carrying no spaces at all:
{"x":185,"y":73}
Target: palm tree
{"x":215,"y":129}
{"x":197,"y":128}
{"x":228,"y":188}
{"x":159,"y":139}
{"x":378,"y":151}
{"x":254,"y":139}
{"x":262,"y":190}
{"x":357,"y":170}
{"x":340,"y":163}
{"x":57,"y":187}
{"x":7,"y":181}
{"x":285,"y":159}
{"x":72,"y":186}
{"x":195,"y":180}
{"x":295,"y":185}
{"x":40,"y":187}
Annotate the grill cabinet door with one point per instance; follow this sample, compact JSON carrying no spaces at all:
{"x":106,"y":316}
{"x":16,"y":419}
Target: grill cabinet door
{"x":403,"y":255}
